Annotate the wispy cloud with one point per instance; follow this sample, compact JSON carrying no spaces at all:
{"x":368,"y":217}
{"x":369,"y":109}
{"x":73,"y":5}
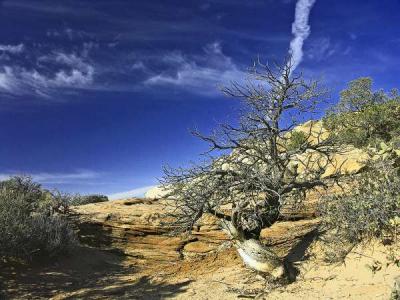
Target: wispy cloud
{"x":56,"y":178}
{"x":12,"y":48}
{"x":67,"y":32}
{"x":199,"y":74}
{"x":54,"y":71}
{"x":7,"y":80}
{"x":323,"y":48}
{"x":138,"y":192}
{"x":49,"y":7}
{"x":81,"y":73}
{"x":301,"y":30}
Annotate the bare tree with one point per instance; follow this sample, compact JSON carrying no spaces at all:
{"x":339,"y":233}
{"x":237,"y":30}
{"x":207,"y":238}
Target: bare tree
{"x":259,"y":165}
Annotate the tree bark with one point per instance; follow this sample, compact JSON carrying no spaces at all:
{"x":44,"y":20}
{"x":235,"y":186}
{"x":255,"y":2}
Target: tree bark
{"x":253,"y":252}
{"x":260,"y":258}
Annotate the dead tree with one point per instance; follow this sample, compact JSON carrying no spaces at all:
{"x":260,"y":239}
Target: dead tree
{"x":258,"y":165}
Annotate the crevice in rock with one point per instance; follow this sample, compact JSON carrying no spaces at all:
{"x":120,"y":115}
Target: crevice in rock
{"x":182,"y":246}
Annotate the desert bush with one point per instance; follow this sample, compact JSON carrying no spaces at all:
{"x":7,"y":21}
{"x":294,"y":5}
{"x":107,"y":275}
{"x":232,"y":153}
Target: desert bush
{"x":364,"y":117}
{"x":32,"y":197}
{"x":371,"y":209}
{"x":30,"y":225}
{"x":395,"y":295}
{"x":82,"y":200}
{"x":297,"y":139}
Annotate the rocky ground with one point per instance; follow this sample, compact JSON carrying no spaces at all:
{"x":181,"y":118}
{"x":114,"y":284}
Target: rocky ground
{"x":126,"y":254}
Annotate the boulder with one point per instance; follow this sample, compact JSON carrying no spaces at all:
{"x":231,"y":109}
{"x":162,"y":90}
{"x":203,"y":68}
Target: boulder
{"x":156,"y":193}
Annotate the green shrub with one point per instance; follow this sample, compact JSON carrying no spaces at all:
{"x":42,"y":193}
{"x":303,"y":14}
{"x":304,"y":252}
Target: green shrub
{"x":370,"y":209}
{"x":395,"y":295}
{"x":297,"y":139}
{"x":376,"y":123}
{"x":363,"y":117}
{"x":82,"y":200}
{"x":30,"y":224}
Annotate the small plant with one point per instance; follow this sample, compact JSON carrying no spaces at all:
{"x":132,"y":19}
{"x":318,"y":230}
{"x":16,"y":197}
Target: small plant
{"x":297,"y":139}
{"x":31,"y":222}
{"x":393,"y":259}
{"x":396,"y":289}
{"x":375,"y":266}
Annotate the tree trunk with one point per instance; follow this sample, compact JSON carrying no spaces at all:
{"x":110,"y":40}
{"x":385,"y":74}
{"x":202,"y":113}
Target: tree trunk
{"x":258,"y":257}
{"x":253,"y":252}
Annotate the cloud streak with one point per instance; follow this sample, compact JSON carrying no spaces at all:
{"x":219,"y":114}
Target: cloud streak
{"x":199,"y":74}
{"x":301,"y":30}
{"x":12,"y":48}
{"x":56,"y":178}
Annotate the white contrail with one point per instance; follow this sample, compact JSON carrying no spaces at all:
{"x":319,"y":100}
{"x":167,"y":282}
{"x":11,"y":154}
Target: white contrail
{"x":301,"y":31}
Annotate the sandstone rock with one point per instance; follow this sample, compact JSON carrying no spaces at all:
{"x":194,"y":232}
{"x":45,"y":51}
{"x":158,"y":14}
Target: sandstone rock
{"x":156,"y":193}
{"x":198,"y":247}
{"x":314,"y":130}
{"x":134,"y":227}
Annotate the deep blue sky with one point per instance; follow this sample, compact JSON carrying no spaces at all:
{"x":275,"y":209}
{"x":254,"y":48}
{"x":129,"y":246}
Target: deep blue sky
{"x":95,"y":96}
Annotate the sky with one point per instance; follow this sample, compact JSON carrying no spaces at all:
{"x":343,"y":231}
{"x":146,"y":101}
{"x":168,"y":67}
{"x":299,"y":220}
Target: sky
{"x":96,"y":96}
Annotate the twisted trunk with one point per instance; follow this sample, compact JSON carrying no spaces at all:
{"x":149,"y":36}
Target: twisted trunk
{"x":260,"y":258}
{"x":253,"y":252}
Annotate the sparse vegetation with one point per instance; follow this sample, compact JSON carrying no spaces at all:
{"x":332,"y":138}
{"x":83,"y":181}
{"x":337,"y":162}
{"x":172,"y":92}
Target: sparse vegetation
{"x":83,"y":200}
{"x":369,"y":210}
{"x":31,"y":221}
{"x":395,"y":295}
{"x":370,"y":206}
{"x":364,"y":117}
